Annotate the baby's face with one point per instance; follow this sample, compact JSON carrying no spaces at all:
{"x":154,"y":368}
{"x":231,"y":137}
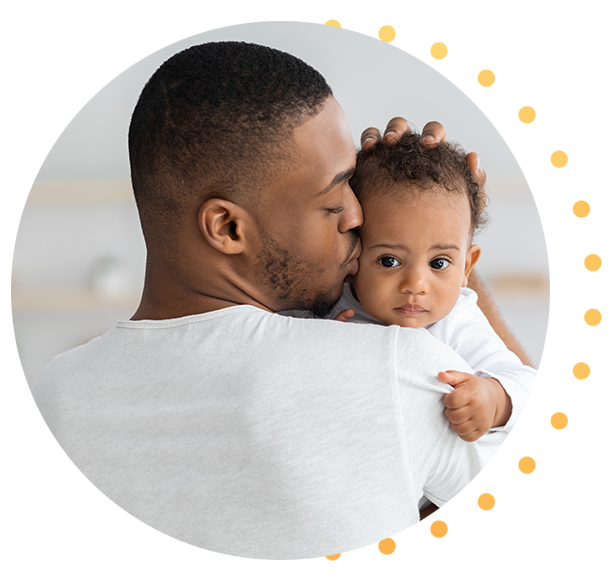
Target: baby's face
{"x":416,"y":255}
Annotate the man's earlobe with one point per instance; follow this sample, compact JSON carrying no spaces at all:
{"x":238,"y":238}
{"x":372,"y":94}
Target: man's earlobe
{"x":221,"y":224}
{"x":472,"y":257}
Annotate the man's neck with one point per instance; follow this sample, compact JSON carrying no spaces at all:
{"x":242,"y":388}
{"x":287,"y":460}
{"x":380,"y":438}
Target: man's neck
{"x":163,"y":310}
{"x":166,"y":296}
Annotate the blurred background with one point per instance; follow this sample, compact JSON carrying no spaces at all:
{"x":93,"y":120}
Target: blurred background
{"x":79,"y":255}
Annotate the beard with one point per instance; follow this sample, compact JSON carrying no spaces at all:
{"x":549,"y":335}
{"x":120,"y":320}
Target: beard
{"x":289,"y":280}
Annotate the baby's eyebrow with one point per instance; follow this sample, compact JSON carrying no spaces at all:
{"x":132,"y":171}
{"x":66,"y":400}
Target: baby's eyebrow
{"x":445,"y":247}
{"x":401,"y":247}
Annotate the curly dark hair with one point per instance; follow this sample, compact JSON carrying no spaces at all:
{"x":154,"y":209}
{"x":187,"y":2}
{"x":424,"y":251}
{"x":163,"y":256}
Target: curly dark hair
{"x":213,"y":121}
{"x":407,"y":168}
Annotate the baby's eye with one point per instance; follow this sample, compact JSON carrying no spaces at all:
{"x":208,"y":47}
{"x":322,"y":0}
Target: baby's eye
{"x":439,"y":263}
{"x":389,"y":262}
{"x":336,"y":209}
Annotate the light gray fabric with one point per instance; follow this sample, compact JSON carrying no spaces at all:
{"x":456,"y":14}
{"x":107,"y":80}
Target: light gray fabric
{"x":260,"y":435}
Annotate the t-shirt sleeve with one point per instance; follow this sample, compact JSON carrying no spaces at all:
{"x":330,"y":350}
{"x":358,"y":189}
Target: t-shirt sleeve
{"x":454,"y":463}
{"x":467,"y":331}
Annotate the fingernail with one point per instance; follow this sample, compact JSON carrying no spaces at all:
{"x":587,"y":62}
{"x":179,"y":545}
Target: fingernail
{"x":427,"y":140}
{"x":367,"y":140}
{"x":390,"y":134}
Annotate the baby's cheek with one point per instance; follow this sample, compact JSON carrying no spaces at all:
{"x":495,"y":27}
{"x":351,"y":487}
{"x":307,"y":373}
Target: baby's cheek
{"x":364,"y":284}
{"x":448,"y":302}
{"x":372,"y":292}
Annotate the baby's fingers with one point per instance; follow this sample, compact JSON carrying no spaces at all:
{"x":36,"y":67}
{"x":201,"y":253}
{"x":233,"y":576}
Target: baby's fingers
{"x":472,"y":436}
{"x":453,"y":378}
{"x":458,"y":416}
{"x":457,"y":399}
{"x":345,"y":315}
{"x":467,"y":431}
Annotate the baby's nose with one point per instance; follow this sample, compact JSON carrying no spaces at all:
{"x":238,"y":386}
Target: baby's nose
{"x":414,"y":282}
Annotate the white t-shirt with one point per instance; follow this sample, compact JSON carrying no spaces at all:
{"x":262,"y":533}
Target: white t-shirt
{"x":468,"y":332}
{"x":260,"y":435}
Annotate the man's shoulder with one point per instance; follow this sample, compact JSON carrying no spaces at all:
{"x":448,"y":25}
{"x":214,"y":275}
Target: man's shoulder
{"x":245,"y":339}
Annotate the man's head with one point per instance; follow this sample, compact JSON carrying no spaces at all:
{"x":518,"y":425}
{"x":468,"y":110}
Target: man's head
{"x":230,"y":146}
{"x":421,"y":207}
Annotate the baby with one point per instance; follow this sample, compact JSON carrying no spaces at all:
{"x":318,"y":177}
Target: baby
{"x":421,"y":208}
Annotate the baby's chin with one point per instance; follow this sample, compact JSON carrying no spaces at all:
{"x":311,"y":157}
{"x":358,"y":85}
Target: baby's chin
{"x":403,"y":321}
{"x":411,"y":324}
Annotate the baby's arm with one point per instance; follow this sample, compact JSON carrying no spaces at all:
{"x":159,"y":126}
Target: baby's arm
{"x":468,"y":332}
{"x":475,"y":405}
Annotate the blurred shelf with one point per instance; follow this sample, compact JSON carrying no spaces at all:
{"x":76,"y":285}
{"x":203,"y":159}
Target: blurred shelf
{"x":78,"y":300}
{"x":518,"y":286}
{"x":47,"y":192}
{"x":71,"y":300}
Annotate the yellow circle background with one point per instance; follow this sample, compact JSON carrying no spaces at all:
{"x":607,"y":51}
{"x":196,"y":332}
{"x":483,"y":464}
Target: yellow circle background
{"x":539,"y":82}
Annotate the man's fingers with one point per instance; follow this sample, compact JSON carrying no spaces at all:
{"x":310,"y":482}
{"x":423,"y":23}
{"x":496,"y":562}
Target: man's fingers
{"x":432,"y":134}
{"x":369,"y":138}
{"x":475,"y":166}
{"x":395,"y":130}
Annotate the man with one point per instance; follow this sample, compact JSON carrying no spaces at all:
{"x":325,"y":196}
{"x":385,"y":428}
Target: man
{"x":208,"y":416}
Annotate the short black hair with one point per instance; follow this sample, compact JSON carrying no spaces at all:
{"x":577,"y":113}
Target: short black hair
{"x":213,"y":121}
{"x":408,"y":168}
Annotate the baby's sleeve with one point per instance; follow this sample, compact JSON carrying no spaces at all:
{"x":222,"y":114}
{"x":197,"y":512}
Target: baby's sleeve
{"x":467,"y":331}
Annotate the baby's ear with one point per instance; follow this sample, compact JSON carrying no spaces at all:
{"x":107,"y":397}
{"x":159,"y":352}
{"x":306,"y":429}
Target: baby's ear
{"x":472,"y":257}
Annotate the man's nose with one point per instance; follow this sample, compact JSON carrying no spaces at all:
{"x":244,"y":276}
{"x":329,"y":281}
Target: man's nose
{"x":414,"y":281}
{"x":352,"y":214}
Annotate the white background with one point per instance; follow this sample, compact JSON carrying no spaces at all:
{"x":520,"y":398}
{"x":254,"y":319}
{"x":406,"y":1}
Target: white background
{"x":32,"y":106}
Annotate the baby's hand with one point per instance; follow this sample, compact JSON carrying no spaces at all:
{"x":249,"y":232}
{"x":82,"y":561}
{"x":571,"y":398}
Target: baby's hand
{"x":345,"y":315}
{"x":475,"y":405}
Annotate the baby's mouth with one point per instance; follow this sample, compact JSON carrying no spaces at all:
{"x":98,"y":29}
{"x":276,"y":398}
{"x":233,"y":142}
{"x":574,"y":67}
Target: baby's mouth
{"x":410,"y":309}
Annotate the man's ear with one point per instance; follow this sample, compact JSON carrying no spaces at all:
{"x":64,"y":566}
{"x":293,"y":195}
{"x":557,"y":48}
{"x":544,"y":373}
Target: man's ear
{"x":472,"y":257}
{"x":222,"y":224}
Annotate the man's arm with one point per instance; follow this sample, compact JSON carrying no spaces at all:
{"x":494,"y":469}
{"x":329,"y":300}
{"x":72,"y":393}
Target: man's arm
{"x":487,"y":305}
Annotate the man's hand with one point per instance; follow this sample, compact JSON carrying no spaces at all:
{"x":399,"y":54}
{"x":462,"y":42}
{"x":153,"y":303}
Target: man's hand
{"x":432,"y":134}
{"x":345,"y":315}
{"x":475,"y":405}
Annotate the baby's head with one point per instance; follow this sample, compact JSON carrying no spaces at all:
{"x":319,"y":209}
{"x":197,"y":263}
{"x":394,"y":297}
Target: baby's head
{"x":421,"y":208}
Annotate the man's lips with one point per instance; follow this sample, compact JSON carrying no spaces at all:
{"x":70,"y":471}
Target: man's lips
{"x":410,"y":309}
